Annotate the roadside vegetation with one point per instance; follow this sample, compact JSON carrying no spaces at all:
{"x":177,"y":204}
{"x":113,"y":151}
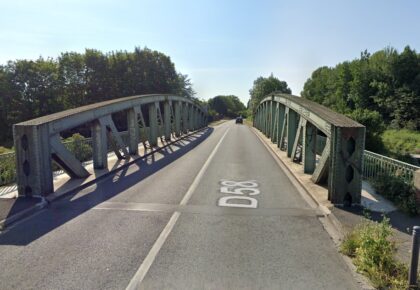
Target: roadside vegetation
{"x":372,"y":249}
{"x":379,"y":90}
{"x":226,"y":107}
{"x":262,"y":87}
{"x":400,"y":143}
{"x":402,"y":194}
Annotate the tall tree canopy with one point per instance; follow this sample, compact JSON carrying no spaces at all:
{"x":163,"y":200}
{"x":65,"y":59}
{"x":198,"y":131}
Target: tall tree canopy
{"x":29,"y":89}
{"x":263,"y":86}
{"x":386,"y":82}
{"x":381,"y":91}
{"x":226,"y":106}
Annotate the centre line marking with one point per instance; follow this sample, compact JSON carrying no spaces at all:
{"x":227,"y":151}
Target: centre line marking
{"x":148,"y":261}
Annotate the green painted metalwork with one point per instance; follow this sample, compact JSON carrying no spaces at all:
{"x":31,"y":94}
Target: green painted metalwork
{"x":375,"y":164}
{"x":309,"y":148}
{"x":294,"y":123}
{"x":38,"y":142}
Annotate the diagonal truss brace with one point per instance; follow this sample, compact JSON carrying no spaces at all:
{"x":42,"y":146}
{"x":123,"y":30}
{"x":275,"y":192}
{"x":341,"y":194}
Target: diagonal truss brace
{"x":65,"y":159}
{"x":284,"y":129}
{"x":114,"y":137}
{"x":302,"y":123}
{"x":321,"y":169}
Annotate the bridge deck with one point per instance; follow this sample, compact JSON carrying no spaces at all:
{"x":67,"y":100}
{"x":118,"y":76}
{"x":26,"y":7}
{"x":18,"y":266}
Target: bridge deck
{"x":159,"y":223}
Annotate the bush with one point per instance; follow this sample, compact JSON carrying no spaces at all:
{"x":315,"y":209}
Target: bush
{"x":7,"y":170}
{"x":4,"y":150}
{"x":398,"y":191}
{"x":79,"y":147}
{"x":372,"y":250}
{"x":401,"y":142}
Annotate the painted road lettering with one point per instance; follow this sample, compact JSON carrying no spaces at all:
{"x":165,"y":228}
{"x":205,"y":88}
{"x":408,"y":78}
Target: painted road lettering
{"x":240,"y":193}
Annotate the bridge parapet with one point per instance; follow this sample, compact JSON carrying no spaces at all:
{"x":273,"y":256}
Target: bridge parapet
{"x":295,"y":124}
{"x":38,"y":142}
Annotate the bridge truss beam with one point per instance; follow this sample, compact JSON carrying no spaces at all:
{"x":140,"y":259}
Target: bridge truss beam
{"x":295,"y":124}
{"x":38,"y":142}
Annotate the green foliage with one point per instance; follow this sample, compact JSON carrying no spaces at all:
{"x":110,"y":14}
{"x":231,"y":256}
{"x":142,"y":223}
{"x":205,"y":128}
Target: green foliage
{"x":29,"y":89}
{"x":5,"y":150}
{"x":79,"y":147}
{"x":398,"y":191}
{"x":374,"y":127}
{"x":226,"y":106}
{"x":401,"y":142}
{"x":372,"y":249}
{"x":7,"y":169}
{"x":386,"y":82}
{"x":263,"y":86}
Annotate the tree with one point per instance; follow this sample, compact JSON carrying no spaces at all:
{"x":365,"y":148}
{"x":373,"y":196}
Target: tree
{"x":387,"y":82}
{"x":375,"y":126}
{"x":29,"y":89}
{"x":264,"y":86}
{"x":226,"y":106}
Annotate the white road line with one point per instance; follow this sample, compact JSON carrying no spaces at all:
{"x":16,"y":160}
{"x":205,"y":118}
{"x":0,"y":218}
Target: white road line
{"x":148,"y":261}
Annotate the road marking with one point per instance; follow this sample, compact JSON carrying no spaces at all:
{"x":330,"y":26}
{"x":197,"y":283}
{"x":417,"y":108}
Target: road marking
{"x":239,"y":189}
{"x":203,"y":209}
{"x":148,"y":261}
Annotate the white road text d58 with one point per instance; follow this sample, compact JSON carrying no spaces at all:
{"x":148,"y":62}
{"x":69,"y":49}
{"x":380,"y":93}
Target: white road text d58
{"x":239,"y":191}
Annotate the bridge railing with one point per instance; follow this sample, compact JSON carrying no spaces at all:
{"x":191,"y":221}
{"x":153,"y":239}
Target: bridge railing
{"x":375,"y":164}
{"x":38,"y":142}
{"x":301,"y":127}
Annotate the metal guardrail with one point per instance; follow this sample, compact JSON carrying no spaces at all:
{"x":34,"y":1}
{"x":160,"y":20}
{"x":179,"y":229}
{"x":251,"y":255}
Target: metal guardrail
{"x":375,"y":164}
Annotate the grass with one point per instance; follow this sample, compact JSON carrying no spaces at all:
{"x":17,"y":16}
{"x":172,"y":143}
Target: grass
{"x":5,"y":150}
{"x":401,"y":142}
{"x":371,"y":247}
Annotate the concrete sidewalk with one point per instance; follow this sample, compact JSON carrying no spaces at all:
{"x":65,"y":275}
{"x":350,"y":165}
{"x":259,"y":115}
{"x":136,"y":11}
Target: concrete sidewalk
{"x":346,"y":218}
{"x":13,"y":208}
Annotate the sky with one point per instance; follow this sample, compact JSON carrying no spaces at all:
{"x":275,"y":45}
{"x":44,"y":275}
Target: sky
{"x":223,"y":46}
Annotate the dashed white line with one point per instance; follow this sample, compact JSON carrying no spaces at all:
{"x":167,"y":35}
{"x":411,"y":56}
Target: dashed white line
{"x":148,"y":261}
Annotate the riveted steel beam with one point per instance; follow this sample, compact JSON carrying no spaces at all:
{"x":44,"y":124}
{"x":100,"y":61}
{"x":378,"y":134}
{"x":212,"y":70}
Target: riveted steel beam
{"x":342,"y":157}
{"x":37,"y":141}
{"x":309,"y":148}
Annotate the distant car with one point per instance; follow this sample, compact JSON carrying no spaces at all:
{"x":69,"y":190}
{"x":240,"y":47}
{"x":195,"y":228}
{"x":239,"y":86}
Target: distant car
{"x":239,"y":120}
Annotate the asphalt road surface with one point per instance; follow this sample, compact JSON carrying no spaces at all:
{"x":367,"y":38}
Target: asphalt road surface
{"x":212,"y":212}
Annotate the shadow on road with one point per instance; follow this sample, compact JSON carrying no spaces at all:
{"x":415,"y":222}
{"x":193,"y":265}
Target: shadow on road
{"x":75,"y":204}
{"x":398,"y":220}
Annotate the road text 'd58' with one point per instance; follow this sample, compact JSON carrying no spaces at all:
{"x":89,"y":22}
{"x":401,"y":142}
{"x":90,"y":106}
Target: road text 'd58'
{"x":241,"y":193}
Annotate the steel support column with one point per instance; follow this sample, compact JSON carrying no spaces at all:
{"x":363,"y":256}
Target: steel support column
{"x":33,"y":157}
{"x":99,"y":145}
{"x":153,"y":124}
{"x":309,"y":148}
{"x":177,"y":117}
{"x":133,"y":132}
{"x":292,"y":123}
{"x":167,"y":120}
